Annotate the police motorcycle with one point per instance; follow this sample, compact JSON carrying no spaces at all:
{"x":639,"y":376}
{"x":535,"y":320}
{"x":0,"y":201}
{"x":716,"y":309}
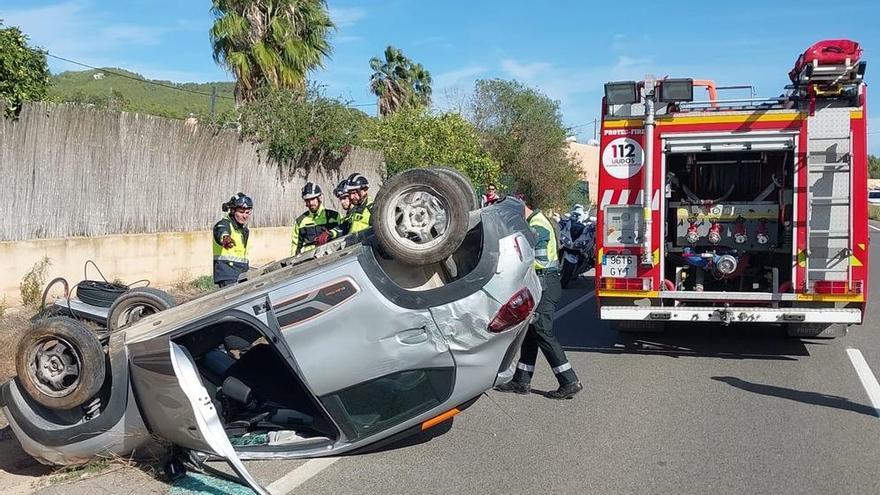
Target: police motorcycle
{"x":577,"y":239}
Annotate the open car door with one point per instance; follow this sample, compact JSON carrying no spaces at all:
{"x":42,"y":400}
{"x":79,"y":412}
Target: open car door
{"x":178,"y":405}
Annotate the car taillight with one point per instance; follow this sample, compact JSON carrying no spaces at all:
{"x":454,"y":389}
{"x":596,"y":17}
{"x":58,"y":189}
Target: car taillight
{"x":837,"y":287}
{"x":517,"y":309}
{"x":627,"y":283}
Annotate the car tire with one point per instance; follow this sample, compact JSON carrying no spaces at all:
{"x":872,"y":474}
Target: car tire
{"x":136,"y":304}
{"x":420,"y":216}
{"x":99,"y":294}
{"x":464,"y":183}
{"x":60,"y":363}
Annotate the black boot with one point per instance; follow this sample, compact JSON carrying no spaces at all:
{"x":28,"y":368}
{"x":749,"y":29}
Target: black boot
{"x":565,"y":391}
{"x":515,"y":387}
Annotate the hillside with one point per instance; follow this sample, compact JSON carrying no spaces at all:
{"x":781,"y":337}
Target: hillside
{"x":112,"y":91}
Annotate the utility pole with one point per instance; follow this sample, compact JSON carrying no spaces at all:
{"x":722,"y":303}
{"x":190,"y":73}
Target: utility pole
{"x":213,"y":101}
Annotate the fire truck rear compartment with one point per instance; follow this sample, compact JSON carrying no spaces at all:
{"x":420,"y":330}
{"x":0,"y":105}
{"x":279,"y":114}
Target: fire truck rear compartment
{"x":728,"y":221}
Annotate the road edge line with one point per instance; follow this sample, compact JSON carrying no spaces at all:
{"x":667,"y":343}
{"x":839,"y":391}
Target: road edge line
{"x":295,"y":478}
{"x":574,"y":304}
{"x":866,"y":376}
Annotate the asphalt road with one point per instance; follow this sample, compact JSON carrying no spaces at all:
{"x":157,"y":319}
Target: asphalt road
{"x":694,"y":410}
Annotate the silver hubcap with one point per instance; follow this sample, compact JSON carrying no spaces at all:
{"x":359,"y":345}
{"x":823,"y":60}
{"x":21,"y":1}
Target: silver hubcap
{"x":419,"y":217}
{"x":55,"y":366}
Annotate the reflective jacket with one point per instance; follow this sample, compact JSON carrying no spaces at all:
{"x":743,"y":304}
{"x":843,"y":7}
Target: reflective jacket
{"x":229,"y":263}
{"x":546,"y":248}
{"x":308,"y":226}
{"x":359,"y":218}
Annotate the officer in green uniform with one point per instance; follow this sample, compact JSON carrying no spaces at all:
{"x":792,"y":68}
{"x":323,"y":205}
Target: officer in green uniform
{"x":360,"y":216}
{"x":315,"y":221}
{"x":231,"y":240}
{"x":540,"y":332}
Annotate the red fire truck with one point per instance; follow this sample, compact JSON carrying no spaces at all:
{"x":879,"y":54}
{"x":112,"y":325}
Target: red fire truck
{"x":737,"y":210}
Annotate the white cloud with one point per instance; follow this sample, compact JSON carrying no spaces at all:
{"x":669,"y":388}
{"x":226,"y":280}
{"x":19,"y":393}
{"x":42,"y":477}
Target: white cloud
{"x":347,"y":39}
{"x":74,"y":29}
{"x":346,"y":16}
{"x":455,"y":76}
{"x":525,"y":72}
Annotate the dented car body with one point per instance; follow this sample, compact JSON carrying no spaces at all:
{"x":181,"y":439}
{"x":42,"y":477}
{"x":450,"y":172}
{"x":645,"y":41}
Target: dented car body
{"x":320,"y":355}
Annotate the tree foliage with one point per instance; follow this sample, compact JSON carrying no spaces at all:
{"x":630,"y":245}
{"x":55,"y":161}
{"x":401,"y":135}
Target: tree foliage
{"x":399,"y":82}
{"x":270,"y":42}
{"x":301,"y":127}
{"x":413,"y":138}
{"x":522,"y":129}
{"x":874,"y":167}
{"x":24,"y":75}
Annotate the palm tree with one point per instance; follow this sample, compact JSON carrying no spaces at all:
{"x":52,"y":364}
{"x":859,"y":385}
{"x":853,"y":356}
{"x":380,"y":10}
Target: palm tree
{"x":420,"y":80}
{"x":270,"y":42}
{"x":399,"y":83}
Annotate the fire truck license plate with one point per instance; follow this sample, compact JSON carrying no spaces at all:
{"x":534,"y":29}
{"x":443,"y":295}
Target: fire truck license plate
{"x":619,"y":266}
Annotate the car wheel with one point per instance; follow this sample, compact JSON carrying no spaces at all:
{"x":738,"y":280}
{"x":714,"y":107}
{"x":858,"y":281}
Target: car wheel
{"x":464,"y":183}
{"x":420,"y":216}
{"x":60,"y":363}
{"x":136,"y":304}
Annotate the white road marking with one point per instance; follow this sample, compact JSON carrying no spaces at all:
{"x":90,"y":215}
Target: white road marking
{"x":574,"y":304}
{"x":300,"y":475}
{"x":873,"y":227}
{"x":869,"y":381}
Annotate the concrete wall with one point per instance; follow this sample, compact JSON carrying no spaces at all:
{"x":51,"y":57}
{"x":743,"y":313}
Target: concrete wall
{"x":587,"y":158}
{"x":164,"y":258}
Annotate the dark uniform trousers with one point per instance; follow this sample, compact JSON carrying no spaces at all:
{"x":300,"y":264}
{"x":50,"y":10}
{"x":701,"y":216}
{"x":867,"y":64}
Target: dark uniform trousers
{"x":540,"y":335}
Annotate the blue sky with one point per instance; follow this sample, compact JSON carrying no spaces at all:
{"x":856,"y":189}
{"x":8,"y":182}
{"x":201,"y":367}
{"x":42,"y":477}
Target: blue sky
{"x":567,"y":49}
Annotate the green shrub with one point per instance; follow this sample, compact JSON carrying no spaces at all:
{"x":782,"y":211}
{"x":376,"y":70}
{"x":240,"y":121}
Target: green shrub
{"x":31,"y":286}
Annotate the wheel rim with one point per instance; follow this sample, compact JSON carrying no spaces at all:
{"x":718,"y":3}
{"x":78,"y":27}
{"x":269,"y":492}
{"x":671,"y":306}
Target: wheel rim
{"x":135,"y":313}
{"x":419,"y":217}
{"x":55,"y":366}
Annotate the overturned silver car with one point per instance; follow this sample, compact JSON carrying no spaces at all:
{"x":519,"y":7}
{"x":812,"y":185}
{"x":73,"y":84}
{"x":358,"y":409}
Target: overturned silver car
{"x":333,"y":352}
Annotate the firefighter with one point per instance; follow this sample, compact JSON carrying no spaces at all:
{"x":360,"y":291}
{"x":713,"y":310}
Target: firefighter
{"x":359,"y":217}
{"x":342,"y":195}
{"x":540,"y":331}
{"x":315,"y":221}
{"x":231,"y":240}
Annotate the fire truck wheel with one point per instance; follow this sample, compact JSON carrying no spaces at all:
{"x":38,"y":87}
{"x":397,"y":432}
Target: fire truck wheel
{"x":815,"y":330}
{"x":639,"y":326}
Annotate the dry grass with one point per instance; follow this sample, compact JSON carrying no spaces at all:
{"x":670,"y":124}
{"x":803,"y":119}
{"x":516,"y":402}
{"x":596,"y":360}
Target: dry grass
{"x":874,"y":212}
{"x":12,"y":325}
{"x":187,"y":289}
